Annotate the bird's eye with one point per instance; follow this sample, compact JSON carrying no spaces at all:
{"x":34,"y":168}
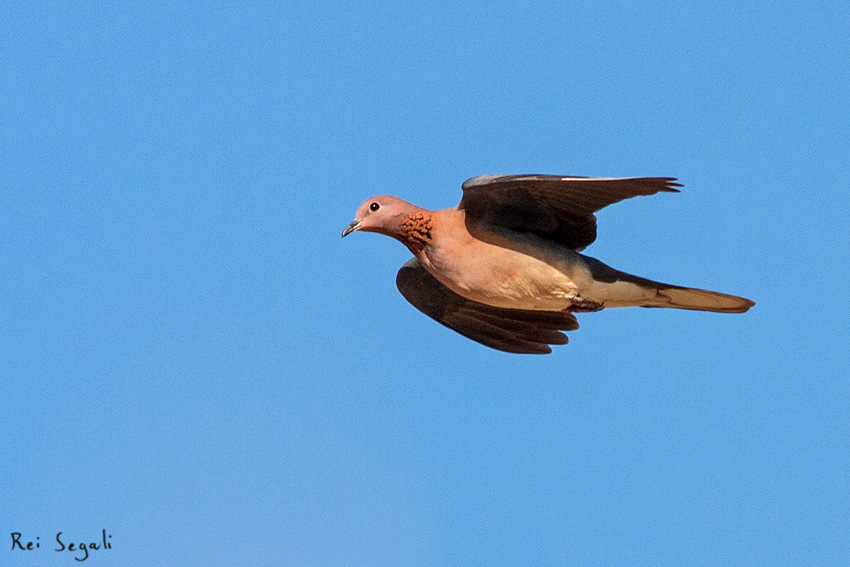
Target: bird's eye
{"x":374,"y":206}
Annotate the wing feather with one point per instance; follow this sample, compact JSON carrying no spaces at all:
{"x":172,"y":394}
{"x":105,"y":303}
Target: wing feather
{"x":510,"y":330}
{"x":559,"y":208}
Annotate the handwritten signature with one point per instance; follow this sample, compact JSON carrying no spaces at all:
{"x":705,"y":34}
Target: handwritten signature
{"x":81,"y":549}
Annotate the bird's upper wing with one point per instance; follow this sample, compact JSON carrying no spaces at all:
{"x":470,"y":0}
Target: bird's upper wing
{"x":555,"y":207}
{"x":510,"y":330}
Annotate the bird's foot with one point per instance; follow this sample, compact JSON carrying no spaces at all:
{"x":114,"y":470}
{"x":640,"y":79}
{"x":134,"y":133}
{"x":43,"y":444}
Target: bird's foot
{"x":579,"y":305}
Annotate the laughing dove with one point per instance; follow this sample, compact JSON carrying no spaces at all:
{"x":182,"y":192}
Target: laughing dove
{"x":503,"y":267}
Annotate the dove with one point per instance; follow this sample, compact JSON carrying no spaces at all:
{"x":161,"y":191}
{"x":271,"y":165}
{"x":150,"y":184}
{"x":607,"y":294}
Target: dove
{"x":504,"y":268}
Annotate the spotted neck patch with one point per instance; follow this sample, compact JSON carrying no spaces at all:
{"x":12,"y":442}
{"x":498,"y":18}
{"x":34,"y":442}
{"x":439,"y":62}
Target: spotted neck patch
{"x":416,"y":230}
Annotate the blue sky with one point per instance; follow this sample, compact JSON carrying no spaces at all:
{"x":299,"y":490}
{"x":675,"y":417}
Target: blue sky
{"x":193,"y":360}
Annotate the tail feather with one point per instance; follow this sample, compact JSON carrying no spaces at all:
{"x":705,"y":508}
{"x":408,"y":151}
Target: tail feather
{"x":698,"y":299}
{"x":637,"y":291}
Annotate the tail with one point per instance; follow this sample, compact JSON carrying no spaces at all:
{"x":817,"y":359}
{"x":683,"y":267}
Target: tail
{"x":629,"y":290}
{"x":697,"y":299}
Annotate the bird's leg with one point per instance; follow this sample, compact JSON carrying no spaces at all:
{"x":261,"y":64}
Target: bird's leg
{"x":579,"y":305}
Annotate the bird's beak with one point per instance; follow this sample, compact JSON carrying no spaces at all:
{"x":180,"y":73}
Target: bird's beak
{"x":355,"y":224}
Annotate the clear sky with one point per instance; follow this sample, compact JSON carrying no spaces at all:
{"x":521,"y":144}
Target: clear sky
{"x":193,"y":360}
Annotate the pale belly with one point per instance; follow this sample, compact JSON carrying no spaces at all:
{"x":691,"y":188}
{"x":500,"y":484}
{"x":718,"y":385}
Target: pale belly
{"x":511,"y":278}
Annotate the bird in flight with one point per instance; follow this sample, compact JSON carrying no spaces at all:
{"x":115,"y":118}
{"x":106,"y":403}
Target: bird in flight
{"x":504,"y":268}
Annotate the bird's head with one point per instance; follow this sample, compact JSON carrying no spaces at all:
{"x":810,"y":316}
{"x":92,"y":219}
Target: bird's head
{"x":383,"y":214}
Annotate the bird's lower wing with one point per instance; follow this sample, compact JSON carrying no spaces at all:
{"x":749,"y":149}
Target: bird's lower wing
{"x":510,"y":330}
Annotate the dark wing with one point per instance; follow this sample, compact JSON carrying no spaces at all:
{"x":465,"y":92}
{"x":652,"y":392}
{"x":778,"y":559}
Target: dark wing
{"x":510,"y":330}
{"x":552,"y":206}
